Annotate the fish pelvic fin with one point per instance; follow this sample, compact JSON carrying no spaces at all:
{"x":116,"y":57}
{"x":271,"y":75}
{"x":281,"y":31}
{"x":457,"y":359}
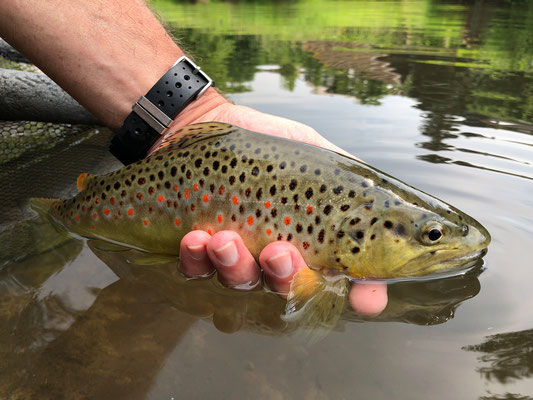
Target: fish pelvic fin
{"x":315,"y":303}
{"x":83,"y":181}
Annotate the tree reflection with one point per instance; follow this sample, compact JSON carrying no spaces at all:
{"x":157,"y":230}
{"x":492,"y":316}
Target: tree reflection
{"x":506,"y":356}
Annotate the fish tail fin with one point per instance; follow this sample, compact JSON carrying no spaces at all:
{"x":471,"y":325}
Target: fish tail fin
{"x":315,"y":303}
{"x":42,"y":205}
{"x":83,"y":181}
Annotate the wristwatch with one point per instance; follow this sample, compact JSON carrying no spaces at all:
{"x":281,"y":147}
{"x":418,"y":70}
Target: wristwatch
{"x":153,"y":113}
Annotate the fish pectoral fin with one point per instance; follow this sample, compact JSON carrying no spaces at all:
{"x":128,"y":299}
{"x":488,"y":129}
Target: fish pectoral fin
{"x":315,"y":303}
{"x":83,"y":181}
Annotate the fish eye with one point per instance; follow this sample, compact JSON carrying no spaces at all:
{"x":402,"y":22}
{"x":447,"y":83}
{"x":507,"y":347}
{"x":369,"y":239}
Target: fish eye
{"x":432,"y":233}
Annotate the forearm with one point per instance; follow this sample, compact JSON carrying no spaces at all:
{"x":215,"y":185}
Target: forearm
{"x":104,"y":53}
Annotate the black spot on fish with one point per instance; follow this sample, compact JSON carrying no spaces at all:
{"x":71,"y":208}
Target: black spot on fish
{"x":338,"y":190}
{"x":151,"y":190}
{"x":127,"y":182}
{"x":399,"y":230}
{"x":345,"y":207}
{"x":274,"y":213}
{"x":327,"y":209}
{"x":303,"y":168}
{"x":108,"y":188}
{"x":161,"y":175}
{"x":259,"y":194}
{"x":309,"y":193}
{"x":355,"y":250}
{"x":167,"y":184}
{"x":242,"y":177}
{"x":152,"y":177}
{"x":273,"y":190}
{"x":359,"y":234}
{"x":258,"y":213}
{"x":340,"y":234}
{"x":373,"y":221}
{"x":180,"y":180}
{"x":233,"y":163}
{"x":282,"y":165}
{"x":386,"y":204}
{"x":387,"y":224}
{"x":322,"y":188}
{"x":188,"y":175}
{"x":299,"y":228}
{"x":183,"y":168}
{"x":283,"y":200}
{"x":280,"y":236}
{"x":244,"y":158}
{"x":289,"y":237}
{"x":216,"y":164}
{"x":368,"y":206}
{"x":364,"y":184}
{"x":351,"y":194}
{"x":293,"y":184}
{"x":241,"y":208}
{"x":233,"y":218}
{"x":231,"y":180}
{"x":206,"y":171}
{"x":212,"y":188}
{"x":355,"y":220}
{"x":310,"y":229}
{"x":317,"y":220}
{"x":372,"y":237}
{"x":317,"y":171}
{"x":224,"y":169}
{"x":248,"y":192}
{"x":321,"y":235}
{"x":255,"y":171}
{"x":269,"y":168}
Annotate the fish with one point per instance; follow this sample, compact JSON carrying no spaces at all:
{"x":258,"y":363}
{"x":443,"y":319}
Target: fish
{"x":346,"y":218}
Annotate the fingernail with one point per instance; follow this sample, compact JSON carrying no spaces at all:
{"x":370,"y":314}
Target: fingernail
{"x":280,"y":264}
{"x":227,"y":255}
{"x":197,"y":251}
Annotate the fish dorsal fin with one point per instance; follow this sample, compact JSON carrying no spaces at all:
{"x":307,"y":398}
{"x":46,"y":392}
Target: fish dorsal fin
{"x":83,"y":181}
{"x":190,"y":134}
{"x":315,"y":303}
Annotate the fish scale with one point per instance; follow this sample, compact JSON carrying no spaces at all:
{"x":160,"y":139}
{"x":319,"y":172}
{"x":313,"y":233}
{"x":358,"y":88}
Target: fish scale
{"x":340,"y":213}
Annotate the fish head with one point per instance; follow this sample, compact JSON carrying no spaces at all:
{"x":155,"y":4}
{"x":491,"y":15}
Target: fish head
{"x":390,"y":238}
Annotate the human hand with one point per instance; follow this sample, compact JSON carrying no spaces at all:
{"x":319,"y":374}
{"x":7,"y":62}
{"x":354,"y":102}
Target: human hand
{"x":201,"y":254}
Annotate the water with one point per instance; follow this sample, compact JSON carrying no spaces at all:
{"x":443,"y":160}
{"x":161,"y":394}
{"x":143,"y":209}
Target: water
{"x":439,"y":94}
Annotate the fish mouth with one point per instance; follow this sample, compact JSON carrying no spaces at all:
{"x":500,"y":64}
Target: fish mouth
{"x":420,"y":267}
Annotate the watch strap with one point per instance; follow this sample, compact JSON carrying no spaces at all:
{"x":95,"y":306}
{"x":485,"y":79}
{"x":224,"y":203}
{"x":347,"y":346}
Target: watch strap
{"x":153,"y":113}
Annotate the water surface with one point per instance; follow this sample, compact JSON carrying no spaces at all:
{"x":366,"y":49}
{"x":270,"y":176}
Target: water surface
{"x":438,"y":94}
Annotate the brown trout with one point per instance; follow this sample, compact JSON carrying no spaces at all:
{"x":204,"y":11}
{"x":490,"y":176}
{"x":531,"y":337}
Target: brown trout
{"x":342,"y":214}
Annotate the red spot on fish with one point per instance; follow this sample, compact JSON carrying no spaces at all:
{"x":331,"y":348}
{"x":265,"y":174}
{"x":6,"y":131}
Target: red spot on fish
{"x":186,"y":193}
{"x":93,"y":227}
{"x":309,"y":210}
{"x":195,"y":187}
{"x":178,"y":222}
{"x":219,"y":218}
{"x":112,"y":201}
{"x":77,"y":217}
{"x":175,"y":188}
{"x":235,"y":200}
{"x":221,"y":190}
{"x":269,"y":232}
{"x":194,"y":228}
{"x":106,"y":211}
{"x":267,"y":204}
{"x":160,"y":198}
{"x":145,"y":222}
{"x":205,"y":198}
{"x":306,"y":245}
{"x":130,"y":211}
{"x":95,"y":216}
{"x":250,"y":220}
{"x":140,"y":196}
{"x":97,"y":201}
{"x":287,"y":221}
{"x":210,"y":231}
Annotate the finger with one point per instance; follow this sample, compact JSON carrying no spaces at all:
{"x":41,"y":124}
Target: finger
{"x":280,"y":261}
{"x":368,"y":299}
{"x":194,"y":261}
{"x":235,"y":265}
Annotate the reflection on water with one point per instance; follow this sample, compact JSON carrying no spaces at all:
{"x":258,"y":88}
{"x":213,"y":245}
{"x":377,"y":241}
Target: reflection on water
{"x":421,"y":89}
